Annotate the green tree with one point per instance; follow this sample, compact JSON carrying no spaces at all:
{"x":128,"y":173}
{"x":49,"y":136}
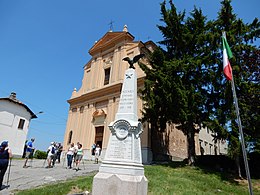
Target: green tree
{"x":176,"y":85}
{"x":185,"y":83}
{"x":245,"y":64}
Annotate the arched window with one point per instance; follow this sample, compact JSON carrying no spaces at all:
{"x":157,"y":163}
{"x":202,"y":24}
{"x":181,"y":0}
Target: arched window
{"x":70,"y":137}
{"x":81,"y":109}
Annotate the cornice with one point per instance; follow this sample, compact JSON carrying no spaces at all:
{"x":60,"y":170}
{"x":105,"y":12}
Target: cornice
{"x":103,"y":93}
{"x":96,"y":94}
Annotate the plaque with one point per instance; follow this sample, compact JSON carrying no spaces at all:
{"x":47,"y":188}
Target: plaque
{"x":121,"y":128}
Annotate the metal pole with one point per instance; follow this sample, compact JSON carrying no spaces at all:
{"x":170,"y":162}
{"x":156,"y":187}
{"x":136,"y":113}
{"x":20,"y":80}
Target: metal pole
{"x":9,"y":171}
{"x":242,"y":138}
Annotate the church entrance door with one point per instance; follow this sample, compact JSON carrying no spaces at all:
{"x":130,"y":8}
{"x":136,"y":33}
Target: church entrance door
{"x":99,"y":135}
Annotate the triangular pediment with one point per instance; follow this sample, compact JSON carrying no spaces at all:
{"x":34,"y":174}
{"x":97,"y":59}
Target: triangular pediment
{"x":110,"y":38}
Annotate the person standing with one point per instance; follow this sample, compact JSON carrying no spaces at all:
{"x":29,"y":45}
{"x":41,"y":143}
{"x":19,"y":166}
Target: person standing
{"x":55,"y":154}
{"x":70,"y":154}
{"x":79,"y":156}
{"x":50,"y":154}
{"x":97,"y":153}
{"x":59,"y":146}
{"x":93,"y":147}
{"x":5,"y":155}
{"x":75,"y":151}
{"x":29,"y":150}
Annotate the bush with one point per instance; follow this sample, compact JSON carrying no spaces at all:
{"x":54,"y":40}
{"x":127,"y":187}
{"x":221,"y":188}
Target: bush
{"x":40,"y":154}
{"x":253,"y":163}
{"x":225,"y":163}
{"x":218,"y":162}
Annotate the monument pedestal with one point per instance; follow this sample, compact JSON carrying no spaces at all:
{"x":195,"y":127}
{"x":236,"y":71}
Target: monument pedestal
{"x":118,"y":184}
{"x":121,"y":171}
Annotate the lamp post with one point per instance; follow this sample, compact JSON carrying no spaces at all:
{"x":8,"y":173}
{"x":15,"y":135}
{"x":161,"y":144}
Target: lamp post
{"x":35,"y":115}
{"x":39,"y":112}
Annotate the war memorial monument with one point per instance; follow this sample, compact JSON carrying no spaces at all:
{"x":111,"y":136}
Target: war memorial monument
{"x":121,"y":171}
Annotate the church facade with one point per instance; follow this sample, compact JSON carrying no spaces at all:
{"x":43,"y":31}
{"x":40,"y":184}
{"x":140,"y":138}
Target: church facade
{"x":93,"y":107}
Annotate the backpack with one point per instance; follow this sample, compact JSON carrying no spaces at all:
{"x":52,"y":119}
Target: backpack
{"x":53,"y":150}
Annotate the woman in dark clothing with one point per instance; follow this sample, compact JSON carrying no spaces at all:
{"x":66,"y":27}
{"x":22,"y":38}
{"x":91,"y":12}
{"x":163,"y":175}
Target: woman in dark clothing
{"x":5,"y":154}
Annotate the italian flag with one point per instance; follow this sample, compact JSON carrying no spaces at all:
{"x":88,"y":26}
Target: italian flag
{"x":227,"y":54}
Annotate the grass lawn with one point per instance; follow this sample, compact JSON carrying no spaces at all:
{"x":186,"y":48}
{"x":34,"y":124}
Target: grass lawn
{"x":177,"y":179}
{"x":166,"y":179}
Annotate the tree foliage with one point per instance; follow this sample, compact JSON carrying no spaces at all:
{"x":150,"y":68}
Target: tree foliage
{"x":245,"y":65}
{"x":185,"y":84}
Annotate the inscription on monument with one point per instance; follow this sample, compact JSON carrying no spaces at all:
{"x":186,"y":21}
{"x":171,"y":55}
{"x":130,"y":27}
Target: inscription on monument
{"x":127,"y":98}
{"x":120,"y":149}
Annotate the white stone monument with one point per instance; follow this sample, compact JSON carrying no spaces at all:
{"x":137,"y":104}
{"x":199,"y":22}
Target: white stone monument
{"x":121,"y":171}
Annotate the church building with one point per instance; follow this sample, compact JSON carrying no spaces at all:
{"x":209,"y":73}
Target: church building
{"x":93,"y":107}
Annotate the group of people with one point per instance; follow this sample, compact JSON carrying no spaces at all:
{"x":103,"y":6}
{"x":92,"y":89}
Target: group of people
{"x":53,"y":154}
{"x":74,"y":152}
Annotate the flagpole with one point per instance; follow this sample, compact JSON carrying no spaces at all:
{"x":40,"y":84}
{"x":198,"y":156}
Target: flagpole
{"x":242,"y":137}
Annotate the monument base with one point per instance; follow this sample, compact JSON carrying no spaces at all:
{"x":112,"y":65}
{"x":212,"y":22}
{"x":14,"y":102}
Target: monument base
{"x":122,"y":168}
{"x":118,"y":184}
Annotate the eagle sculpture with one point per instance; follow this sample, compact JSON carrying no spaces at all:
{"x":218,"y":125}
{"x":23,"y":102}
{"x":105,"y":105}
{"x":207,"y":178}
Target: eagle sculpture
{"x":134,"y":60}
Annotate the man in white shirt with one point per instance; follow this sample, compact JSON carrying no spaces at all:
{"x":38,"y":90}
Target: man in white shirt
{"x":50,"y":154}
{"x":97,"y":153}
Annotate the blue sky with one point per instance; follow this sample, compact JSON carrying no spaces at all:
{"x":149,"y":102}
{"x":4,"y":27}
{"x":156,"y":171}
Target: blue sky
{"x":44,"y":45}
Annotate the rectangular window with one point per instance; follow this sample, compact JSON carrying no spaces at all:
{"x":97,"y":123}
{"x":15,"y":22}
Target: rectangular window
{"x":107,"y":76}
{"x":21,"y":124}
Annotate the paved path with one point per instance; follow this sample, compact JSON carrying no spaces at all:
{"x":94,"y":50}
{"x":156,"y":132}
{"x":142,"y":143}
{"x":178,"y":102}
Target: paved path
{"x":36,"y":175}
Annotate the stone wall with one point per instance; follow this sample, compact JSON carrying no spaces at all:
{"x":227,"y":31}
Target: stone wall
{"x":169,"y":145}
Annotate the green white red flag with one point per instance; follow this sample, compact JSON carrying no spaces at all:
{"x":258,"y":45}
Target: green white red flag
{"x":227,"y":54}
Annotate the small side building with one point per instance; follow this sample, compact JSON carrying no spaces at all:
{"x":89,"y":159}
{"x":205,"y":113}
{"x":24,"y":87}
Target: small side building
{"x":15,"y":118}
{"x":209,"y":147}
